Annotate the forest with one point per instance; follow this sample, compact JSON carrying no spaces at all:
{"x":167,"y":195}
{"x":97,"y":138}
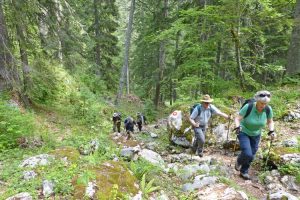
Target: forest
{"x":67,"y":67}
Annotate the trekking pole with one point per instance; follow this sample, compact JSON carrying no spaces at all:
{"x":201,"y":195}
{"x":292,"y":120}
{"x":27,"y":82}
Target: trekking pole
{"x":268,"y":155}
{"x":228,"y":132}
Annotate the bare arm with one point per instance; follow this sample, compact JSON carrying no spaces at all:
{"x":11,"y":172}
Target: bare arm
{"x":238,"y":120}
{"x":194,"y":124}
{"x":270,"y":124}
{"x":224,"y":115}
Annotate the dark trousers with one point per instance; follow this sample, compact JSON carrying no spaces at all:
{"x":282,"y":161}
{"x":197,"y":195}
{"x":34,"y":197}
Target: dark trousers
{"x":139,"y":124}
{"x":249,"y":147}
{"x":117,"y":126}
{"x":199,"y":139}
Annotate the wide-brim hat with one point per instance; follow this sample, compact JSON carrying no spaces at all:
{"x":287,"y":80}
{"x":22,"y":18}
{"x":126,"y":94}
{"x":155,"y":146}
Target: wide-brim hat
{"x":206,"y":99}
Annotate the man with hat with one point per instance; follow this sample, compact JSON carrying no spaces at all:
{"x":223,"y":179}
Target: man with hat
{"x":199,"y":120}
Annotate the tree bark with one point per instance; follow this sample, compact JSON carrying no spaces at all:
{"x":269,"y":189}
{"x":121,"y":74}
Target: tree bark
{"x":9,"y":77}
{"x":5,"y":57}
{"x":24,"y":57}
{"x":293,"y":58}
{"x":161,"y":61}
{"x":235,"y":36}
{"x":125,"y":68}
{"x":97,"y":36}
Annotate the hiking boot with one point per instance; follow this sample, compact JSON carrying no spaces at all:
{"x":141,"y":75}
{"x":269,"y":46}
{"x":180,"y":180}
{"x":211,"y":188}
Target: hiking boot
{"x":237,"y":166}
{"x":245,"y":176}
{"x":200,"y":153}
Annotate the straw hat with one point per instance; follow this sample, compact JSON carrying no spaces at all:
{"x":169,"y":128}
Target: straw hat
{"x":206,"y":99}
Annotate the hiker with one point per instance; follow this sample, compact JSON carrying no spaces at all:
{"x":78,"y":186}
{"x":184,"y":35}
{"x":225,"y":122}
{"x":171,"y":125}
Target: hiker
{"x":199,"y":120}
{"x":116,"y":122}
{"x":141,"y":119}
{"x":129,"y":126}
{"x":249,"y":124}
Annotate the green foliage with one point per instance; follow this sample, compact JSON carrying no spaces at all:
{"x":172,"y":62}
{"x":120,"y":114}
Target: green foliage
{"x":85,"y":177}
{"x":46,"y":82}
{"x":61,"y":174}
{"x":147,"y":188}
{"x":283,"y":99}
{"x":149,"y":110}
{"x":291,"y":169}
{"x":13,"y":124}
{"x":141,"y":167}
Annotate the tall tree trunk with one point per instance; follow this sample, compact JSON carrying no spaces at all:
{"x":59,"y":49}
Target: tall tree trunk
{"x":59,"y":16}
{"x":125,"y":68}
{"x":97,"y":36}
{"x":160,"y":73}
{"x":235,"y":36}
{"x":5,"y":57}
{"x":161,"y":61}
{"x":293,"y":58}
{"x":43,"y":30}
{"x":24,"y":57}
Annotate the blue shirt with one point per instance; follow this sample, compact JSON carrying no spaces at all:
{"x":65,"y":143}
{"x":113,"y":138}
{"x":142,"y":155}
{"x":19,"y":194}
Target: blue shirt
{"x":205,"y":114}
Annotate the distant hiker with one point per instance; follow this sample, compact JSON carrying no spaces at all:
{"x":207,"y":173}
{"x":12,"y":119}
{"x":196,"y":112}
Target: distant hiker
{"x":199,"y":120}
{"x":141,"y":120}
{"x":116,"y":122}
{"x":252,"y":117}
{"x":129,"y":126}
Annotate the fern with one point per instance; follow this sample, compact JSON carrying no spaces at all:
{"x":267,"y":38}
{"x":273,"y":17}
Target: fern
{"x":147,"y":188}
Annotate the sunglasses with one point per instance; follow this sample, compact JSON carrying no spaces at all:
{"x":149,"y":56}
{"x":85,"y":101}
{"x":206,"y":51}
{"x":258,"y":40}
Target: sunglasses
{"x":265,"y":95}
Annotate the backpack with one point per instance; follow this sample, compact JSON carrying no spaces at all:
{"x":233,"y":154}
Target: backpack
{"x":251,"y":103}
{"x":198,"y":105}
{"x":194,"y":106}
{"x":139,"y":118}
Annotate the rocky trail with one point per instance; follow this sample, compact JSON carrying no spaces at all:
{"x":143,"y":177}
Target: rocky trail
{"x":213,"y":176}
{"x":182,"y":175}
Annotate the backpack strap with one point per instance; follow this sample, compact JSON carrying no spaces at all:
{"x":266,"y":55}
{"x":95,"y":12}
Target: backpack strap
{"x":268,"y":110}
{"x":250,"y":106}
{"x":199,"y":109}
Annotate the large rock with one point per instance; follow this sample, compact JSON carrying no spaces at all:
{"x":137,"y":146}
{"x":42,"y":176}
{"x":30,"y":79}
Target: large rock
{"x":281,"y":195}
{"x":199,"y":182}
{"x":110,"y":178}
{"x":293,"y":158}
{"x":130,"y":153}
{"x":39,"y":160}
{"x":48,"y":188}
{"x":293,"y":142}
{"x":292,"y":115}
{"x":220,"y":132}
{"x":91,"y":189}
{"x":27,"y":175}
{"x":151,"y":156}
{"x":179,"y":127}
{"x":21,"y":196}
{"x":289,"y":183}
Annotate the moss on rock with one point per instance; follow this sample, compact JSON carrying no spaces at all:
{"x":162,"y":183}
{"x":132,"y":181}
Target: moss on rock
{"x":71,"y":153}
{"x":112,"y":179}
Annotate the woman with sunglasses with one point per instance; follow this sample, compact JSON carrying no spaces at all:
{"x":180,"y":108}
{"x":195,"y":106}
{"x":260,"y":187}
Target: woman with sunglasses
{"x":249,"y":127}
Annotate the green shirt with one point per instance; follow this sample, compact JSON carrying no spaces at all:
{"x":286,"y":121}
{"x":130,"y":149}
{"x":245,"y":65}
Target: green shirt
{"x":255,"y":121}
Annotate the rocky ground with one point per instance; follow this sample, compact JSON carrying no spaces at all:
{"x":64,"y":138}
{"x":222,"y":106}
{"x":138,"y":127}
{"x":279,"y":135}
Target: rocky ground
{"x":213,"y":176}
{"x":183,"y":175}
